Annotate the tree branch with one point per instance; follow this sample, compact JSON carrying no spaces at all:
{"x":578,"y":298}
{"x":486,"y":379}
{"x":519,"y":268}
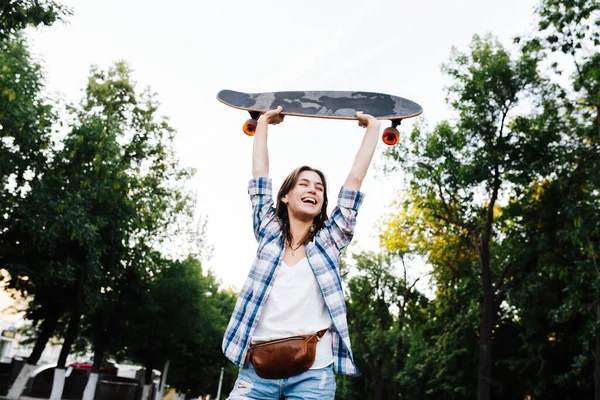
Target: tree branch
{"x":449,"y":212}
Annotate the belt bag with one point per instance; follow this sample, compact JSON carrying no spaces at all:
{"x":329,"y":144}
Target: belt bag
{"x":283,"y":358}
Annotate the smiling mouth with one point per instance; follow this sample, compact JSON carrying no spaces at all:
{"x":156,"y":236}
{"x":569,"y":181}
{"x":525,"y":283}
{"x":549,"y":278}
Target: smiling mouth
{"x":309,"y":201}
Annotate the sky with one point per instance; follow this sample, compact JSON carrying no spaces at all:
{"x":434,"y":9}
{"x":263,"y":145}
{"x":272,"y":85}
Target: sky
{"x":187,"y":51}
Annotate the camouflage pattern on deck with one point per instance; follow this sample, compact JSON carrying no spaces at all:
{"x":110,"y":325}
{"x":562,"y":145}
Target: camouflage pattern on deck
{"x":324,"y":104}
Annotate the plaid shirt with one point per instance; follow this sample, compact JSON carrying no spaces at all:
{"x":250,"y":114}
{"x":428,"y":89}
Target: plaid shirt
{"x":323,"y":255}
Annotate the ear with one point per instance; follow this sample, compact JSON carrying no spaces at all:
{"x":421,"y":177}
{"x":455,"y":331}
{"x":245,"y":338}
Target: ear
{"x":284,"y":200}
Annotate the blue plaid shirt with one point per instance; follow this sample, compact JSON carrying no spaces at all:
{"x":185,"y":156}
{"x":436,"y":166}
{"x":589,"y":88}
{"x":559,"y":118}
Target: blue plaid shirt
{"x":323,"y":255}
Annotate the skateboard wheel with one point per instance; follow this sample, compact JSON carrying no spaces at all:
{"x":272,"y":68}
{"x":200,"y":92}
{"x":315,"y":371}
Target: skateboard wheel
{"x":250,"y":127}
{"x":390,"y":136}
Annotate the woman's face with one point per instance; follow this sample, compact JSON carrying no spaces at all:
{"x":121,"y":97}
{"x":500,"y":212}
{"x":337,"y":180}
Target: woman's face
{"x":305,"y":200}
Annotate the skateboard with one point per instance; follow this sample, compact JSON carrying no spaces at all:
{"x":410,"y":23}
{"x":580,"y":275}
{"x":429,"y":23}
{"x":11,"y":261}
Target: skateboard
{"x":324,"y":104}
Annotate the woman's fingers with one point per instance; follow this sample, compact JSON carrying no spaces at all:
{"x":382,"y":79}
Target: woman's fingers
{"x":274,"y":117}
{"x":363,"y":120}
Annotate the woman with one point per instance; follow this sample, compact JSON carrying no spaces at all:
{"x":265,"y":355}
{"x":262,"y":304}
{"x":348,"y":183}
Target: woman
{"x":294,"y":286}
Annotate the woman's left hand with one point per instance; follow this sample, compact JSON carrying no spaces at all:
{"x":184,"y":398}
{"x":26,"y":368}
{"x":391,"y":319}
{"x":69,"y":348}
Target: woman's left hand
{"x":365,"y":120}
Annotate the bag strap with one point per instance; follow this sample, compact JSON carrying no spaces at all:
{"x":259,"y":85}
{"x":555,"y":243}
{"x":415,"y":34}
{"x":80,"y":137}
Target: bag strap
{"x":248,"y":357}
{"x":321,"y":333}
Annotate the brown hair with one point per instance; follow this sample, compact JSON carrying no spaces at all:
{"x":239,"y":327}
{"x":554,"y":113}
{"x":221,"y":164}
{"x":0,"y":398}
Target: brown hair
{"x":282,"y":212}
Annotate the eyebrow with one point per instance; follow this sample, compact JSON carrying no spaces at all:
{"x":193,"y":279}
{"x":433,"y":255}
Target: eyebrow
{"x":306,"y":180}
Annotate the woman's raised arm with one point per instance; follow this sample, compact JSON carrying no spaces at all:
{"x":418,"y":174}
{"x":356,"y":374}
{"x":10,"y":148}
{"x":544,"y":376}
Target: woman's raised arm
{"x":260,"y":151}
{"x":365,"y":152}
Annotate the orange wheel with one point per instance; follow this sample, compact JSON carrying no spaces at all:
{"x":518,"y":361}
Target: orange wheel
{"x":250,"y":127}
{"x":390,"y":136}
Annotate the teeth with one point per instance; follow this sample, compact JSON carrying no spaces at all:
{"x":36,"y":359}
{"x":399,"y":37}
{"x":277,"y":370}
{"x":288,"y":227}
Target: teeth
{"x":311,"y":201}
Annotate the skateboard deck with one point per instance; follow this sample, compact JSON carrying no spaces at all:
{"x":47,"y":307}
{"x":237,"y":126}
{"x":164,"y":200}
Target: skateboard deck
{"x":324,"y":104}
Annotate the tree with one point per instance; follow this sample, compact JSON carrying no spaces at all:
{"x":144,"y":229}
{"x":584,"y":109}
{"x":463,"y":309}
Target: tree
{"x":460,"y":172}
{"x":573,"y":29}
{"x":26,"y":123}
{"x":177,"y":318}
{"x":441,"y":337}
{"x":146,"y":188}
{"x":59,"y":227}
{"x":380,"y":304}
{"x":26,"y":116}
{"x":196,"y":371}
{"x":16,"y":15}
{"x":558,"y":219}
{"x":26,"y":120}
{"x":524,"y":181}
{"x":106,"y":197}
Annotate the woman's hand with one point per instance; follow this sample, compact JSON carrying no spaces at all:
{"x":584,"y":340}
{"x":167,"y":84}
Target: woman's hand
{"x":366,"y":120}
{"x":272,"y":117}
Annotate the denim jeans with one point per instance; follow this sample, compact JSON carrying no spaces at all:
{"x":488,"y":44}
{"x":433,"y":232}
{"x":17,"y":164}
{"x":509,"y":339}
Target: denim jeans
{"x":310,"y":385}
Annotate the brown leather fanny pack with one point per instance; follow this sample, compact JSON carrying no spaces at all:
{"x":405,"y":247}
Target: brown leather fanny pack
{"x":283,"y":358}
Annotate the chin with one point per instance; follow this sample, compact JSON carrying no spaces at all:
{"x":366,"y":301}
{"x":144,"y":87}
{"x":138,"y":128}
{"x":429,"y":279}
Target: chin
{"x":313,"y":211}
{"x":306,"y":215}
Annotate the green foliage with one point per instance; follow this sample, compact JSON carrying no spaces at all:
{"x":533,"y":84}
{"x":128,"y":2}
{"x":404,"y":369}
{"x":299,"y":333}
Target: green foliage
{"x":26,"y":120}
{"x":381,"y":307}
{"x":511,"y":185}
{"x":180,"y":315}
{"x":502,"y":204}
{"x":441,"y":338}
{"x":16,"y":15}
{"x":553,"y":293}
{"x":568,"y":26}
{"x":83,"y":218}
{"x":459,"y":173}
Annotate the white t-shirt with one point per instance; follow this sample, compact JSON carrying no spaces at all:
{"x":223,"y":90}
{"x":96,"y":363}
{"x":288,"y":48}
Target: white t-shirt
{"x":295,"y":306}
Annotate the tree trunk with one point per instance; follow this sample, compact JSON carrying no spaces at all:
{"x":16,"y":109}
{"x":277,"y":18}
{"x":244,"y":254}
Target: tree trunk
{"x":598,"y":120}
{"x":485,"y":332}
{"x":396,"y":384}
{"x":148,"y":374}
{"x":90,"y":387}
{"x":72,"y":331}
{"x":59,"y":372}
{"x":58,"y":383}
{"x":597,"y":366}
{"x":46,"y":331}
{"x":147,"y":382}
{"x":163,"y":378}
{"x":378,"y":381}
{"x":484,"y":380}
{"x":400,"y":342}
{"x":98,"y":355}
{"x":487,"y":309}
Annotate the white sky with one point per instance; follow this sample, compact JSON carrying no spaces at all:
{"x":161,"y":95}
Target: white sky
{"x":189,"y":50}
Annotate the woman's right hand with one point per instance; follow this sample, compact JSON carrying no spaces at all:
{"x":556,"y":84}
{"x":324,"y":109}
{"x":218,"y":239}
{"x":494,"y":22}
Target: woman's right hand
{"x":272,"y":117}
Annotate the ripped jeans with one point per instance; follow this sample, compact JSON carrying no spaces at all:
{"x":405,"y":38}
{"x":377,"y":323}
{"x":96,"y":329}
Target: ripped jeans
{"x":310,"y":385}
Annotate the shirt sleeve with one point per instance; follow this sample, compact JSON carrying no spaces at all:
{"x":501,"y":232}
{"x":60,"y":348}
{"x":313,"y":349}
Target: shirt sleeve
{"x":340,"y":226}
{"x":263,"y":209}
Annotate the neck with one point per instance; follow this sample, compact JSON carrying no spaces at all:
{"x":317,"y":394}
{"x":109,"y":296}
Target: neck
{"x":299,"y":229}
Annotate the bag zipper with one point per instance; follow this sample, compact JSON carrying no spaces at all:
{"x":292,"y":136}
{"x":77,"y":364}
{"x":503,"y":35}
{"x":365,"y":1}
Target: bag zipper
{"x":278,"y":341}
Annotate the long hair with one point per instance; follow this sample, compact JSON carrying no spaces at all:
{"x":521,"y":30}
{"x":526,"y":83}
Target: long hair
{"x":282,"y":211}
